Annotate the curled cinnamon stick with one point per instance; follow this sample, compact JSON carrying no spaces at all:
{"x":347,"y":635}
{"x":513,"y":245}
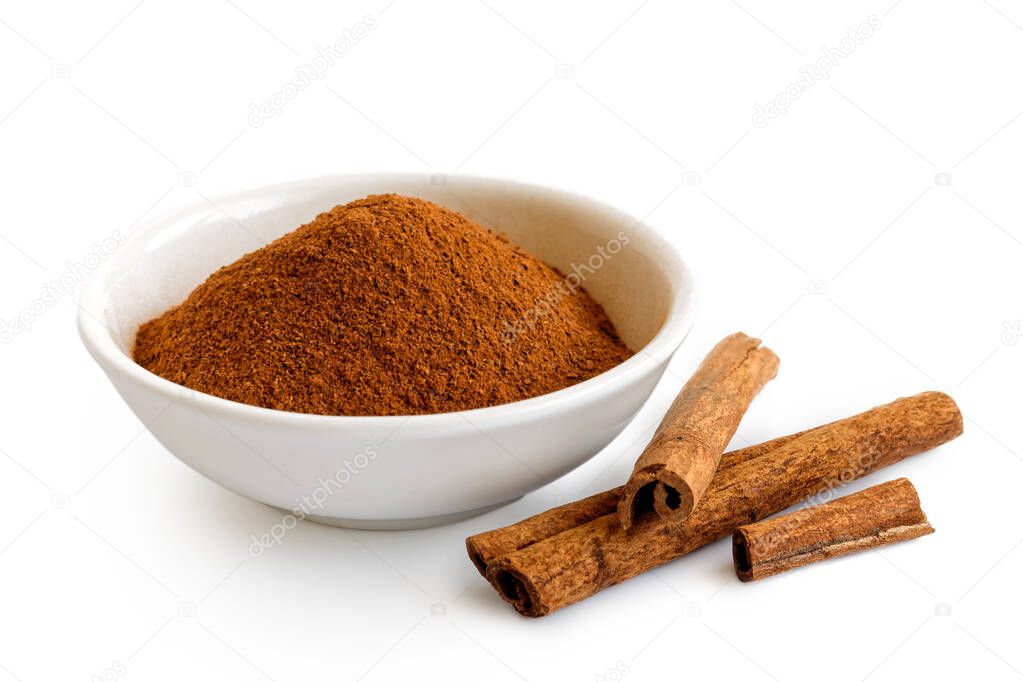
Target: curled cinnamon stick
{"x":487,"y":546}
{"x":579,"y":562}
{"x":677,"y":466}
{"x":873,"y":517}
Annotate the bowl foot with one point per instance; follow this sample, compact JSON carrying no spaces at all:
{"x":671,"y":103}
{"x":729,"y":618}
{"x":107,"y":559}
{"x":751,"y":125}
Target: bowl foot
{"x":406,"y":524}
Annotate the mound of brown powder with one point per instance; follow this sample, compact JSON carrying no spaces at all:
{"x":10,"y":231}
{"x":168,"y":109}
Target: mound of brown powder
{"x":387,"y":305}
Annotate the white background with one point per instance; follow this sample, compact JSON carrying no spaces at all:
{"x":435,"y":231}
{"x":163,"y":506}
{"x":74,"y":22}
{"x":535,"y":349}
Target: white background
{"x":827,"y":231}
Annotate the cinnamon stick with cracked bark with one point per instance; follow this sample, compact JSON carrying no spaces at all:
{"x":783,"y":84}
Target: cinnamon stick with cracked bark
{"x":484,"y":547}
{"x":677,"y":466}
{"x":577,"y":563}
{"x":873,"y":517}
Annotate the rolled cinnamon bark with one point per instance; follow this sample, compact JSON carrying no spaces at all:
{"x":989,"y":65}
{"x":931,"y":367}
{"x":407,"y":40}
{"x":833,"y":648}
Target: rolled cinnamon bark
{"x":485,"y":547}
{"x":677,"y":466}
{"x":579,"y":562}
{"x":873,"y":517}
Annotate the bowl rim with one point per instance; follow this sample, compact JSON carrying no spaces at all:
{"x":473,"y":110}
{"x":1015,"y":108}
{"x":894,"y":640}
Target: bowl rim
{"x":98,"y":338}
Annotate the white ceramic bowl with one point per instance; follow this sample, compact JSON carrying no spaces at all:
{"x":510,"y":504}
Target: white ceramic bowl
{"x":392,"y":472}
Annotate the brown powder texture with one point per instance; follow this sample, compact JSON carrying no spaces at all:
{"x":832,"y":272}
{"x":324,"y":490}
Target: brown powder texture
{"x":388,"y":305}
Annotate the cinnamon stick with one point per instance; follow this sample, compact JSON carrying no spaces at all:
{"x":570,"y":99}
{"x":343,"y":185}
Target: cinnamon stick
{"x":579,"y":562}
{"x":675,"y":469}
{"x":487,"y":546}
{"x":873,"y":517}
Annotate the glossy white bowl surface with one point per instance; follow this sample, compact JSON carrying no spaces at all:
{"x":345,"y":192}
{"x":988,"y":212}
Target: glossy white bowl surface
{"x":392,"y":472}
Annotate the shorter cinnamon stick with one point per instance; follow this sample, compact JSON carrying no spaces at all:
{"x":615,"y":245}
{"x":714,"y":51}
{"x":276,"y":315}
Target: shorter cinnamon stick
{"x":673,"y":472}
{"x":873,"y":517}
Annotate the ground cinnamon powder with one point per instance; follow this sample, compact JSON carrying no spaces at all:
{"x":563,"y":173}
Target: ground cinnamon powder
{"x":388,"y":305}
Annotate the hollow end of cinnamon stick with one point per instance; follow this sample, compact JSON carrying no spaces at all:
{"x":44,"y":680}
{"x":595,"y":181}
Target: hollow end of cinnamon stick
{"x":741,"y":556}
{"x":674,"y":499}
{"x":661,"y":493}
{"x":517,"y":590}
